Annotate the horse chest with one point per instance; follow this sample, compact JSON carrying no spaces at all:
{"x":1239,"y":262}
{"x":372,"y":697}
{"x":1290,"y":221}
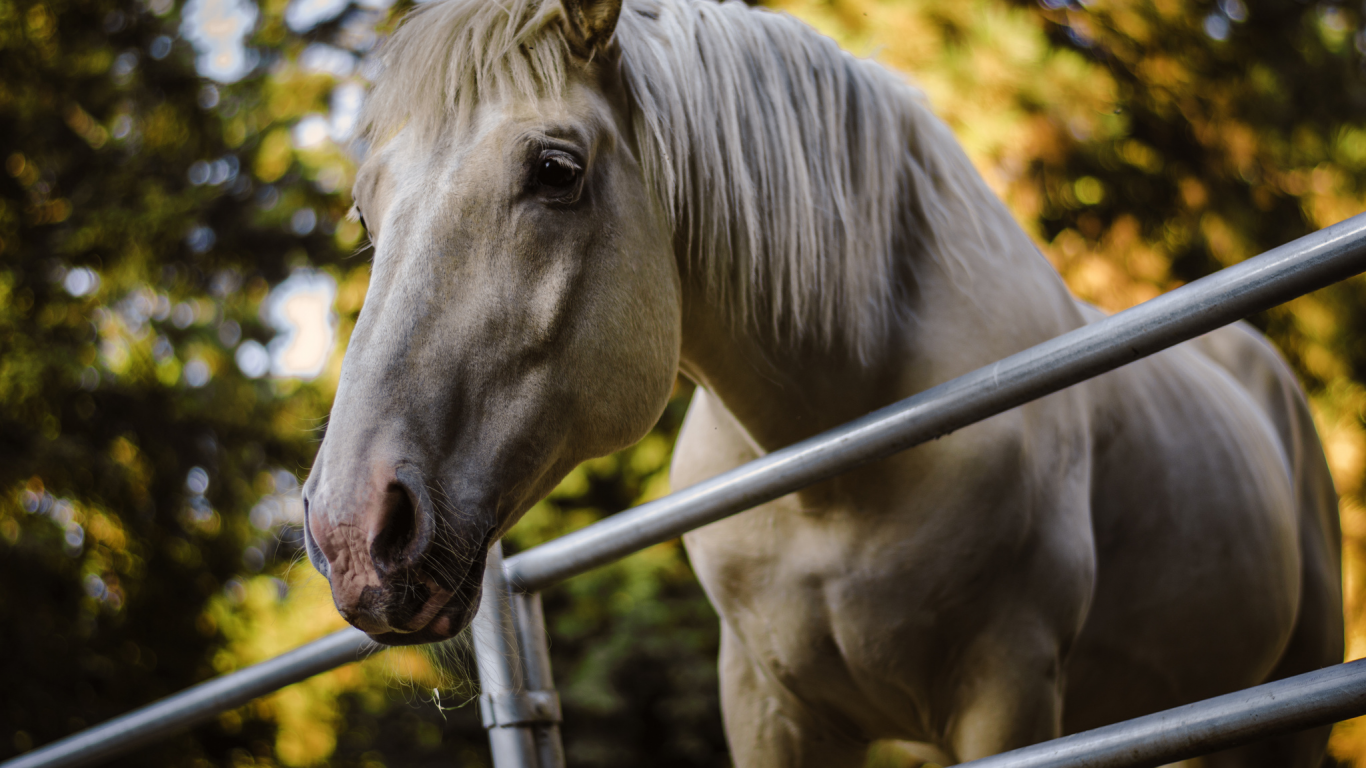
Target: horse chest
{"x":855,"y":595}
{"x":864,"y":619}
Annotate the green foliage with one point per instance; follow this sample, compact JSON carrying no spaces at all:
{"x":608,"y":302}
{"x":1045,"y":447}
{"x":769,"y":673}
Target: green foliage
{"x":131,"y":447}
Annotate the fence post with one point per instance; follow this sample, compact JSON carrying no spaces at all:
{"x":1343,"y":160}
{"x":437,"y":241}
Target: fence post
{"x":519,"y":705}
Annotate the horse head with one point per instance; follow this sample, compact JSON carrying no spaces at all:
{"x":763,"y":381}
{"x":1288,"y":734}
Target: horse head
{"x":522,"y":313}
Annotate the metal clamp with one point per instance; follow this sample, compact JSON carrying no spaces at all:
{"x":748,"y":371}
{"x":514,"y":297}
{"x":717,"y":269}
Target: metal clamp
{"x":503,"y":710}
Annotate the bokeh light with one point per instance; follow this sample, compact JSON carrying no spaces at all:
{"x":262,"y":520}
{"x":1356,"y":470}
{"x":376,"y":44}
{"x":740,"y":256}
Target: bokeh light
{"x":301,"y":309}
{"x":217,"y":29}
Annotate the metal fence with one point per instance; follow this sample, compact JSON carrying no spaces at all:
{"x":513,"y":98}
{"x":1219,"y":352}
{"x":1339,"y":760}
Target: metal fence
{"x":519,"y":705}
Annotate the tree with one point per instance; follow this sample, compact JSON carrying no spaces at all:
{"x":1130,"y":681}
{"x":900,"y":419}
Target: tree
{"x":137,"y":247}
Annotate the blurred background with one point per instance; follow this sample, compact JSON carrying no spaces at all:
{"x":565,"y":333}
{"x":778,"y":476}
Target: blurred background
{"x":178,"y":280}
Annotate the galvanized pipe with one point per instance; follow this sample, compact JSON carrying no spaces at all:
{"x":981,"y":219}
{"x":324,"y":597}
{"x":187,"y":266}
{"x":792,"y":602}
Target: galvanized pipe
{"x":528,"y":619}
{"x":198,"y":704}
{"x":518,"y":703}
{"x":1259,"y":283}
{"x":1293,"y":704}
{"x":1279,"y":275}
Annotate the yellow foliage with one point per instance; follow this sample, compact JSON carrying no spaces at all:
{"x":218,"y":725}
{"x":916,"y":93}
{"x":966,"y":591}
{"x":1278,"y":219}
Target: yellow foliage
{"x":1089,"y":190}
{"x":275,"y":155}
{"x":107,"y":531}
{"x":349,"y":233}
{"x":295,"y":94}
{"x":263,"y":617}
{"x":351,"y":290}
{"x":163,"y":128}
{"x":259,"y":622}
{"x":40,"y":22}
{"x":168,"y":371}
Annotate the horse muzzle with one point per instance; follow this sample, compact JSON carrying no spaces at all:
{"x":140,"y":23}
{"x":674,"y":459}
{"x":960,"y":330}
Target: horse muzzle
{"x":398,"y":570}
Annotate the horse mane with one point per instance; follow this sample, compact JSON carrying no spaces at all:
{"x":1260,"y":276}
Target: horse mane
{"x":804,"y":181}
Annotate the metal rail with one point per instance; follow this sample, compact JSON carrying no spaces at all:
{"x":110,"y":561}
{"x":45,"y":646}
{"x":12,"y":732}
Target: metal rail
{"x":198,"y":704}
{"x":518,"y":703}
{"x":1295,"y":703}
{"x":1307,"y":264}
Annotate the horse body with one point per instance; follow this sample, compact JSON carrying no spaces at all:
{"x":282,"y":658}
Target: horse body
{"x":1128,"y":545}
{"x":573,"y":203}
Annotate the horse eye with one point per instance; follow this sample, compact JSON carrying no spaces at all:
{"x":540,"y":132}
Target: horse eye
{"x":556,"y":171}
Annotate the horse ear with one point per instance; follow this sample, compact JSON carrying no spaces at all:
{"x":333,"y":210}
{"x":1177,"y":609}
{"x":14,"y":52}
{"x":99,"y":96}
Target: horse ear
{"x":589,"y":24}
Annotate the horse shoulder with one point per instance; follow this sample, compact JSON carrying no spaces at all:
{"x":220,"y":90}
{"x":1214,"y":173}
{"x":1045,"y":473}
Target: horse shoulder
{"x":728,"y":553}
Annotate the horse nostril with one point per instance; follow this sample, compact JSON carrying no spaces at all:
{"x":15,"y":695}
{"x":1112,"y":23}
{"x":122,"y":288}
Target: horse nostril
{"x":314,"y":552}
{"x":398,"y":522}
{"x":404,"y":532}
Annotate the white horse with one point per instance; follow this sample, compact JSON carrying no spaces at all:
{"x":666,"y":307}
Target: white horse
{"x":574,"y":200}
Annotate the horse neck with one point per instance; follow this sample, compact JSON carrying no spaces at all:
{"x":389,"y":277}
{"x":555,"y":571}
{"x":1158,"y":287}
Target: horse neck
{"x":952,"y":323}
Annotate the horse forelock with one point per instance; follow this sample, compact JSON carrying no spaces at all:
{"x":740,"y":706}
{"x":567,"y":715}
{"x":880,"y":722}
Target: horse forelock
{"x":804,"y":181}
{"x":446,"y":56}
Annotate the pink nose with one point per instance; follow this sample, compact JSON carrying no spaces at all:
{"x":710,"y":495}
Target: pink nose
{"x":373,"y":543}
